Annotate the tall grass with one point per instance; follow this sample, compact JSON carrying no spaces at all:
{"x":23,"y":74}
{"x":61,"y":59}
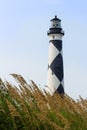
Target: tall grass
{"x":26,"y":107}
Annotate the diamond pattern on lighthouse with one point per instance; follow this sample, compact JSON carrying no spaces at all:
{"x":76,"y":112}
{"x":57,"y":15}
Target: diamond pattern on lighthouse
{"x":57,"y":44}
{"x":57,"y":67}
{"x":53,"y":52}
{"x":60,"y":89}
{"x":53,"y":81}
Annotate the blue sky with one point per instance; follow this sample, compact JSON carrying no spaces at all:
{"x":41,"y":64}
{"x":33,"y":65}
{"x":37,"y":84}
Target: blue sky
{"x":24,"y":43}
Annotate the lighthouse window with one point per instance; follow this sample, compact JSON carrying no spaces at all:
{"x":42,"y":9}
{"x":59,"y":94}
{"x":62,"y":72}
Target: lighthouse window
{"x":53,"y":36}
{"x":59,"y":24}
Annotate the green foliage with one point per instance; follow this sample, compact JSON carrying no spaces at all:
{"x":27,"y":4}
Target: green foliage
{"x":25,"y":107}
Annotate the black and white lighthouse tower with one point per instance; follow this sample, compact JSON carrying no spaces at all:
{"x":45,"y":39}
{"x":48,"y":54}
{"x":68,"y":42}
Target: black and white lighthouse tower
{"x":55,"y":76}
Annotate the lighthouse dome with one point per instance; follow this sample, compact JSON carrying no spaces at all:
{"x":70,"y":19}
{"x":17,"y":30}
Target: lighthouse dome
{"x":55,"y":22}
{"x":55,"y":27}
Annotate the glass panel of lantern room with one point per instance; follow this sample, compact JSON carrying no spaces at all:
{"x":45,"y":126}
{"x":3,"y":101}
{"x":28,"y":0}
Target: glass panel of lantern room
{"x":55,"y":24}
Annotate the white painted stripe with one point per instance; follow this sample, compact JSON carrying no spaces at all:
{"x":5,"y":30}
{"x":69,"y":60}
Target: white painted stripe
{"x":53,"y":52}
{"x":55,"y":37}
{"x":52,"y":82}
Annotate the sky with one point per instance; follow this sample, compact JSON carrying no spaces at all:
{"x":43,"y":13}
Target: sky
{"x":24,"y":43}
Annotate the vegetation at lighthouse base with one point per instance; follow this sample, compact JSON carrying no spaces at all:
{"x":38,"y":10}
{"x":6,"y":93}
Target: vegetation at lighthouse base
{"x":26,"y":107}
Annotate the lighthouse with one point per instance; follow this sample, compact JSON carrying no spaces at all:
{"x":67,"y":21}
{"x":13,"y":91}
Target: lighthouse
{"x":55,"y":74}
